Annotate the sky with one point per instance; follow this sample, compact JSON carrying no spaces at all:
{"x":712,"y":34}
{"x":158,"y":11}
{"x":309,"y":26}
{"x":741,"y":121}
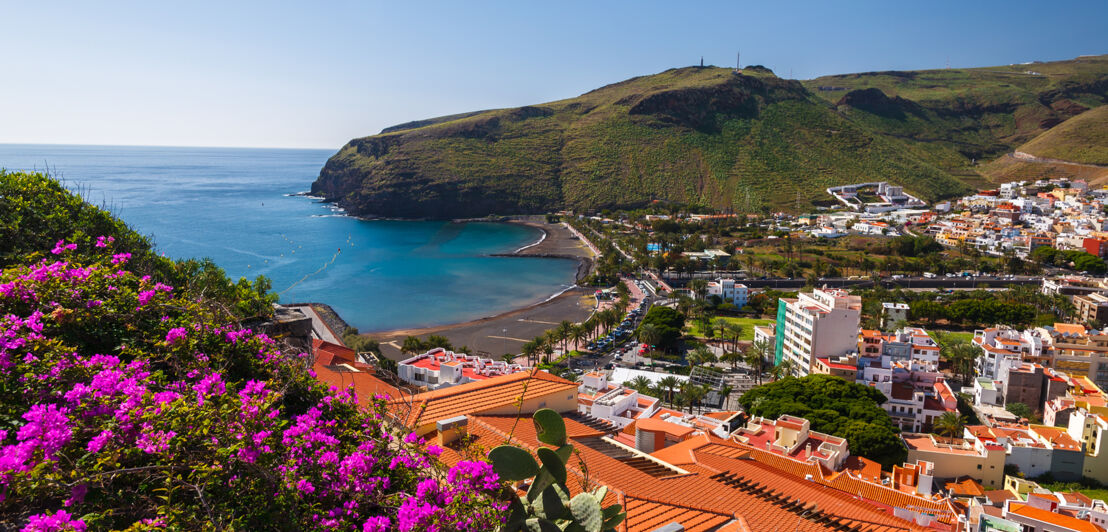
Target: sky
{"x":316,"y":74}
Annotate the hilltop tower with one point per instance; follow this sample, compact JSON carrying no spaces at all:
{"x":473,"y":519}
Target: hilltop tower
{"x":738,"y":62}
{"x":701,"y":61}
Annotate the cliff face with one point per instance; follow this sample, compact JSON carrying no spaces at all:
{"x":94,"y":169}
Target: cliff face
{"x":746,"y":141}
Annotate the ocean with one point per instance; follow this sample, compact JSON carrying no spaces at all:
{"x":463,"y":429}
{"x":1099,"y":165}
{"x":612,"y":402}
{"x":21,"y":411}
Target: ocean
{"x":237,"y":206}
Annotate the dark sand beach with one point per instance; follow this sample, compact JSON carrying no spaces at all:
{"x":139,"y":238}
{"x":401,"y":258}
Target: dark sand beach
{"x":506,"y":332}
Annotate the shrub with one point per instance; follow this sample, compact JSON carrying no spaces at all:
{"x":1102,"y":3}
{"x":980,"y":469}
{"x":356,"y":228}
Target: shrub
{"x":129,"y":403}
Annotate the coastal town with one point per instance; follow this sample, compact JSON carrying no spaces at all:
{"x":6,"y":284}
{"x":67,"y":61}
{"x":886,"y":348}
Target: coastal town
{"x":444,"y":267}
{"x":670,"y":378}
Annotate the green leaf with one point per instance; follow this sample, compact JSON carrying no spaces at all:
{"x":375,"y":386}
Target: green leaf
{"x":611,"y":522}
{"x":553,"y":463}
{"x":542,"y":480}
{"x":599,"y":493}
{"x":550,"y":427}
{"x":586,"y":511}
{"x":512,"y":463}
{"x":551,"y":504}
{"x":536,"y":524}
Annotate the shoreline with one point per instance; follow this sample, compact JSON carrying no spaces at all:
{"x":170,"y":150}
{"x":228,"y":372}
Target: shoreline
{"x":506,"y":331}
{"x":394,"y":334}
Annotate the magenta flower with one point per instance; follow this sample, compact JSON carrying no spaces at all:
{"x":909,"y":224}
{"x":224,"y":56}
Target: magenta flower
{"x":175,"y":334}
{"x":102,"y":241}
{"x":62,"y":247}
{"x":60,"y":521}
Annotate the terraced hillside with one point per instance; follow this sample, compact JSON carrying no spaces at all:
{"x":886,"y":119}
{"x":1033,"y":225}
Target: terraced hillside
{"x":747,"y":141}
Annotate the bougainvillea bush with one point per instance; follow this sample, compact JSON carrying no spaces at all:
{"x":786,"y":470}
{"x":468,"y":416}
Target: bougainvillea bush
{"x":128,"y":403}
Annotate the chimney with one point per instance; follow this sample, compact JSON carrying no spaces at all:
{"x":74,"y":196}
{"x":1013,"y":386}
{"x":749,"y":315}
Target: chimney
{"x":451,"y":429}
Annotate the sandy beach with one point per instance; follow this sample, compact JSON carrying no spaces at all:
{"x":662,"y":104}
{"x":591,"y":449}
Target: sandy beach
{"x":506,"y":332}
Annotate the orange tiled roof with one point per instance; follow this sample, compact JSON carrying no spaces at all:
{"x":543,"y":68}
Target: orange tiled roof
{"x":479,"y":396}
{"x":965,"y":487}
{"x":698,"y":500}
{"x":658,"y":425}
{"x":1071,"y":523}
{"x":365,"y":384}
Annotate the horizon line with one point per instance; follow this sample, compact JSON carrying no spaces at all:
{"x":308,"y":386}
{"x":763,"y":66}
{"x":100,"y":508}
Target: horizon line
{"x":95,"y":145}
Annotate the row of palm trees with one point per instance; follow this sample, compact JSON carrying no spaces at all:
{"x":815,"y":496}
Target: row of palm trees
{"x":599,"y":324}
{"x":675,"y":393}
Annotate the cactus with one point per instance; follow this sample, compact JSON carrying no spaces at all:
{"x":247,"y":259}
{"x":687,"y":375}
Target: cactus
{"x":547,"y":506}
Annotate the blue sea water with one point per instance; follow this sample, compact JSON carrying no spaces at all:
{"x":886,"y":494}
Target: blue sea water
{"x":234,"y":206}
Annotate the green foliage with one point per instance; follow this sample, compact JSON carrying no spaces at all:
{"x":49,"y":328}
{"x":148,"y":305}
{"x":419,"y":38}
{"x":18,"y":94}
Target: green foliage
{"x":359,"y":343}
{"x":547,"y":505}
{"x":36,"y":211}
{"x":914,"y":246}
{"x":1069,"y":258}
{"x":833,"y":406}
{"x":1021,"y":410}
{"x":667,"y":323}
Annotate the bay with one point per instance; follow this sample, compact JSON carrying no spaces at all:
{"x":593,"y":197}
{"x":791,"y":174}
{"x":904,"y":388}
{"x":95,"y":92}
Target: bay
{"x":235,"y":206}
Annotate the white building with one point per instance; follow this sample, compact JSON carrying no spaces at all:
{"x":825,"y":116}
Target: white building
{"x":439,"y":368}
{"x":611,"y":402}
{"x":729,"y":291}
{"x":822,"y":324}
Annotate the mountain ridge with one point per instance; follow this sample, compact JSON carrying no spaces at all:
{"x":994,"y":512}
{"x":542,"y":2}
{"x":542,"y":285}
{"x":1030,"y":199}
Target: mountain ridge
{"x":746,"y":141}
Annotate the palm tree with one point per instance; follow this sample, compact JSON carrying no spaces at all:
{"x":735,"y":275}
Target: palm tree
{"x":640,"y":384}
{"x":669,"y":383}
{"x":735,"y":331}
{"x":565,"y":329}
{"x":950,"y":424}
{"x":963,"y":357}
{"x":756,"y":356}
{"x":699,"y":287}
{"x":725,"y":395}
{"x":649,"y":334}
{"x":783,"y":369}
{"x":579,"y":334}
{"x":508,"y":357}
{"x":530,"y":350}
{"x":700,"y":355}
{"x":548,"y":350}
{"x":732,"y":357}
{"x":693,"y":394}
{"x":411,"y":345}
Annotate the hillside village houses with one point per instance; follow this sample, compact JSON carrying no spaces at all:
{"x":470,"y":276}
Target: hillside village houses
{"x":1019,"y":217}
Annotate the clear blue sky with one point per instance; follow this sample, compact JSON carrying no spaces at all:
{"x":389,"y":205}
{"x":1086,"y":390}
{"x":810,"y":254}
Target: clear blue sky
{"x":319,"y":73}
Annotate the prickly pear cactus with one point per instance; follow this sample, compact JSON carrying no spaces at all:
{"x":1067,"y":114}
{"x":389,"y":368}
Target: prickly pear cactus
{"x":547,"y":506}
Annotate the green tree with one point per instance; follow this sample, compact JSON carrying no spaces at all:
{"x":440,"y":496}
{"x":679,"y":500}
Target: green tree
{"x":668,"y":323}
{"x":1021,"y":410}
{"x":949,"y":424}
{"x":832,"y":406}
{"x":412,"y":346}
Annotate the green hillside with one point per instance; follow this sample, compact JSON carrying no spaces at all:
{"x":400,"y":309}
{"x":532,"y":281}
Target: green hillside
{"x":746,"y":141}
{"x":1081,"y":139}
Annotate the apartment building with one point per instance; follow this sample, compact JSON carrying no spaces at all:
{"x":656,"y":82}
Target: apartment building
{"x":1034,"y":449}
{"x":820,"y":324}
{"x":1091,"y":429}
{"x":1091,"y":308}
{"x":904,"y":366}
{"x":981,"y":460}
{"x":1078,"y":351}
{"x":1004,"y":348}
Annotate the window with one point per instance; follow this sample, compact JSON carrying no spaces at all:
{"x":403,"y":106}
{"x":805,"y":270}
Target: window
{"x":978,"y":466}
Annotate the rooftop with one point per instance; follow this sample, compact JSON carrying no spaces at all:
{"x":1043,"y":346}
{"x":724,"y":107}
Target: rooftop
{"x":479,"y":396}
